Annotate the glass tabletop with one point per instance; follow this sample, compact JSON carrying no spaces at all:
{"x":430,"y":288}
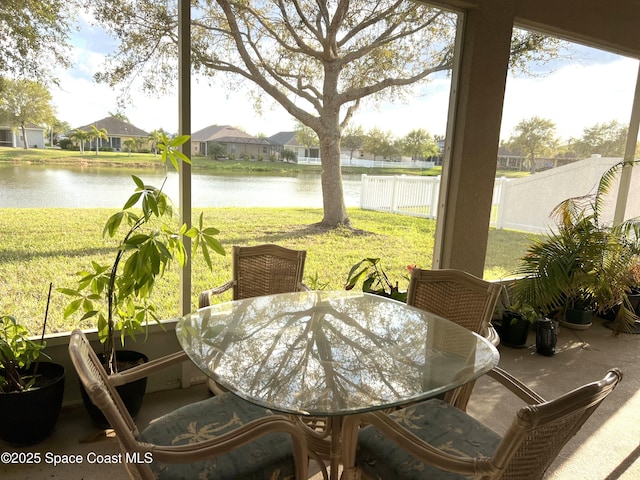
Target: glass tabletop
{"x":331,"y":352}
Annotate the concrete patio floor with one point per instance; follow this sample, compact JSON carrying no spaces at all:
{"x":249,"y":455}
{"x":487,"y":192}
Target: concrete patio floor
{"x":607,"y":447}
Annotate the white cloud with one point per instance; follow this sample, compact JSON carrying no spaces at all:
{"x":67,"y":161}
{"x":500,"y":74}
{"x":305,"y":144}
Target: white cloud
{"x":573,"y":97}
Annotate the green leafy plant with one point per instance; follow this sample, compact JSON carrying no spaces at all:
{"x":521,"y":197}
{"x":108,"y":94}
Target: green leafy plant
{"x":586,"y":262}
{"x":119,"y":295}
{"x":17,"y":353}
{"x":374,"y":279}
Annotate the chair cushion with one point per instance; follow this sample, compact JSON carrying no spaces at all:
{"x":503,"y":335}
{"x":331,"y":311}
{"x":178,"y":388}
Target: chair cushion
{"x":434,"y":421}
{"x":268,"y":457}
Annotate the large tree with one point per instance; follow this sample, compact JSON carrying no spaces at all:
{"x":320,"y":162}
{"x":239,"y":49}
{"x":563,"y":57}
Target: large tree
{"x":534,"y":137}
{"x":318,"y":59}
{"x":607,"y":139}
{"x":24,"y":102}
{"x":419,"y":144}
{"x":34,"y":37}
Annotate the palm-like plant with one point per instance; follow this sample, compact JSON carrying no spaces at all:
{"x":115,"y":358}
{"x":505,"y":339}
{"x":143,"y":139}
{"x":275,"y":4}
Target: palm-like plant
{"x":80,"y":136}
{"x":587,"y":261}
{"x":129,"y":144}
{"x":97,"y":134}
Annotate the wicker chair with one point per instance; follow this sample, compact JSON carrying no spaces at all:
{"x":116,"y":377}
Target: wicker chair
{"x":262,"y":270}
{"x":222,"y":437}
{"x":436,"y":441}
{"x":461,"y":298}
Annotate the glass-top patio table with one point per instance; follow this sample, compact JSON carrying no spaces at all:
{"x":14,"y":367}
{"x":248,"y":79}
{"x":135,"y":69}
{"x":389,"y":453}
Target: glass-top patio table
{"x":328,"y":354}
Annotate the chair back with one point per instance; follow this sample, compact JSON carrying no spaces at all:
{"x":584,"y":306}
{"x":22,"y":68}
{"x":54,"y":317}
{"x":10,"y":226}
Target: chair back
{"x":95,"y":381}
{"x":266,"y":270}
{"x":539,"y":432}
{"x":455,"y":295}
{"x":461,"y":298}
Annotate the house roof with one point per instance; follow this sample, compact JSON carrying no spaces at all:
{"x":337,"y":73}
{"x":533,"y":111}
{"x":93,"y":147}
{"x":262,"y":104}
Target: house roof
{"x":216,"y":132}
{"x":116,"y":128}
{"x":246,"y":140}
{"x":284,"y":138}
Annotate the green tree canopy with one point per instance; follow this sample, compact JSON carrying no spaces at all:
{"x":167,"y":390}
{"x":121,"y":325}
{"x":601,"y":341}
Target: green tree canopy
{"x":353,"y":139}
{"x":533,"y":138}
{"x":418,"y":144}
{"x":306,"y":137}
{"x":380,"y":143}
{"x":24,"y":102}
{"x":607,"y":139}
{"x":319,"y":60}
{"x":34,"y":37}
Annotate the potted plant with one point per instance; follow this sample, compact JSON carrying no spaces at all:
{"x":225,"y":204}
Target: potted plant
{"x":31,"y":390}
{"x":374,"y":279}
{"x":512,"y":320}
{"x":583,"y":267}
{"x":119,"y":295}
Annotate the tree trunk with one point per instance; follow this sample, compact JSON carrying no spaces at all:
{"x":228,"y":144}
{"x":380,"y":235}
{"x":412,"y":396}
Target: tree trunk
{"x":24,"y":136}
{"x":335,"y":212}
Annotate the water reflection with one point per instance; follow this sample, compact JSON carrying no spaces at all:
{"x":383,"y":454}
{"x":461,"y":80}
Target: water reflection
{"x":73,"y":187}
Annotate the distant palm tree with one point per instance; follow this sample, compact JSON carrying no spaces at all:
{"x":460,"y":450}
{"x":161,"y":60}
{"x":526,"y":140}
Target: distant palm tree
{"x":97,"y":134}
{"x":154,"y":138}
{"x":129,"y":144}
{"x":80,"y":136}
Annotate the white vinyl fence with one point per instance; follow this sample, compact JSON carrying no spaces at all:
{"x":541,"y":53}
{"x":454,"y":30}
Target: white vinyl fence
{"x":519,"y":204}
{"x":345,"y":161}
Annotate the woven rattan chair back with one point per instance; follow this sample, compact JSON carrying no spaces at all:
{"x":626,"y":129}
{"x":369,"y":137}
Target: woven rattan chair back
{"x":266,"y":270}
{"x":539,"y":432}
{"x":261,"y":270}
{"x":461,"y":298}
{"x":455,"y":295}
{"x":436,"y":441}
{"x":94,"y":379}
{"x":250,"y":425}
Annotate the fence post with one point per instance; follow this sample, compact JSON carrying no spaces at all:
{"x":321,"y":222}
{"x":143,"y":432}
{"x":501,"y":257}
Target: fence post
{"x":435,"y":194}
{"x":502,"y":183}
{"x":394,"y":194}
{"x":363,"y":190}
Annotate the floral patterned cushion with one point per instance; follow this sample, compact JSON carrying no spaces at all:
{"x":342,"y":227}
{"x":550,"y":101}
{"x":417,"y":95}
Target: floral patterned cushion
{"x":269,"y":457}
{"x":436,"y":422}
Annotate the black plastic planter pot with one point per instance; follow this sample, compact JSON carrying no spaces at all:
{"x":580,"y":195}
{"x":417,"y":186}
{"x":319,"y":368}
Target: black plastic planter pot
{"x":514,"y":330}
{"x":578,"y":319}
{"x":29,"y":417}
{"x":132,"y":394}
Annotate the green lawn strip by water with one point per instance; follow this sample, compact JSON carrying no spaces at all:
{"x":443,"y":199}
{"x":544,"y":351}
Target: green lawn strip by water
{"x":38,"y":246}
{"x":200,"y":164}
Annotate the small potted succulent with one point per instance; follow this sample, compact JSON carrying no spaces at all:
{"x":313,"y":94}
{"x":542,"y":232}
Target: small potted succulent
{"x":31,"y":390}
{"x":119,"y":295}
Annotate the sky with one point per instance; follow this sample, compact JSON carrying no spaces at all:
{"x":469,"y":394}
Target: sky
{"x":592,"y":87}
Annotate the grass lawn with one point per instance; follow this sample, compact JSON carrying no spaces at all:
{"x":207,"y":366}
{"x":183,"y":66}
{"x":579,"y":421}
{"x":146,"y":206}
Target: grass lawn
{"x":200,"y":164}
{"x":39,"y":246}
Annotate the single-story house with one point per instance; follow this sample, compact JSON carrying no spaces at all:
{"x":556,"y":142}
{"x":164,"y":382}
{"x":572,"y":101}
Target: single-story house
{"x":13,"y":137}
{"x":117,"y":132}
{"x":234,"y":141}
{"x":288,"y":141}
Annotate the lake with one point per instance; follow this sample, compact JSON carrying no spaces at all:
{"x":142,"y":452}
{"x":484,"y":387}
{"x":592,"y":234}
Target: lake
{"x":37,"y":186}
